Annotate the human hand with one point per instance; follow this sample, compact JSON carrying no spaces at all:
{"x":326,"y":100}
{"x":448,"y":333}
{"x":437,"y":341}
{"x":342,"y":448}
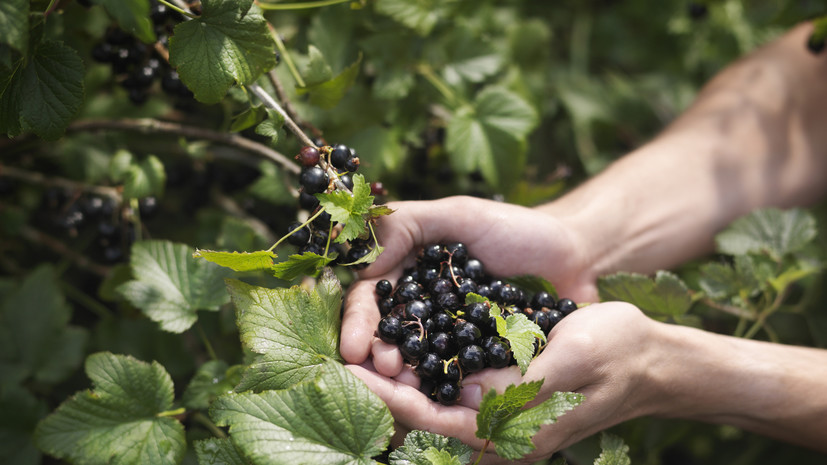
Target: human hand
{"x":603,"y":351}
{"x":510,"y":240}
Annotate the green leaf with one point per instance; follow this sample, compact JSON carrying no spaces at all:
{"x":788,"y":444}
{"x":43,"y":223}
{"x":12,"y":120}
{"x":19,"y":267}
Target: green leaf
{"x":411,"y":452}
{"x":306,"y":264}
{"x":272,"y":126}
{"x":614,"y":451}
{"x":328,"y":93}
{"x":51,"y":81}
{"x":776,"y":232}
{"x":216,"y":451}
{"x":119,"y":421}
{"x":272,"y":185}
{"x":145,"y":179}
{"x":375,"y":211}
{"x":213,"y":379}
{"x":229,"y":43}
{"x":349,"y":209}
{"x":470,"y":58}
{"x":35,"y":338}
{"x":533,"y":284}
{"x":14,"y":24}
{"x":521,"y":334}
{"x":370,"y":257}
{"x":440,"y":457}
{"x":502,"y":420}
{"x":170,"y":285}
{"x":666,"y":295}
{"x":119,"y":165}
{"x":332,"y":419}
{"x":239,"y":261}
{"x":317,"y":69}
{"x":295,"y":330}
{"x":419,"y":15}
{"x":132,"y":17}
{"x":248,"y":118}
{"x":490,"y":136}
{"x":718,"y":280}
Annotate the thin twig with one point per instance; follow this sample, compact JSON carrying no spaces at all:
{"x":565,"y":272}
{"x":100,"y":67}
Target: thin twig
{"x":33,"y":235}
{"x":731,"y":309}
{"x":272,"y":104}
{"x":288,"y":106}
{"x":38,"y":178}
{"x":146,"y":125}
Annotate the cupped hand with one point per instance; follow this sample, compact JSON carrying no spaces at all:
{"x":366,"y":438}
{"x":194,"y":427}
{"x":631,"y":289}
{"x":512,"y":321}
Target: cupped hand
{"x":510,"y":240}
{"x":603,"y":351}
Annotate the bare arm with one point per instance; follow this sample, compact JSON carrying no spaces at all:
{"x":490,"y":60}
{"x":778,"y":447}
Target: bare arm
{"x":755,"y":137}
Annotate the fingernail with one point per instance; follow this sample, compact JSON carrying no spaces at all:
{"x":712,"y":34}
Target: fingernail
{"x":471,"y":395}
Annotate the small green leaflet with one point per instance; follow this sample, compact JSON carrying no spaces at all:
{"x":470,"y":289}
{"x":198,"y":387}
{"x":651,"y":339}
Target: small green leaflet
{"x":36,"y":340}
{"x":349,"y":209}
{"x":145,"y":179}
{"x":516,"y":328}
{"x":132,"y":17}
{"x":614,"y":451}
{"x":370,"y":257}
{"x":171,"y":285}
{"x":248,"y":118}
{"x":490,"y":135}
{"x":229,"y":43}
{"x":666,"y":295}
{"x":776,"y":232}
{"x":419,"y":15}
{"x":317,"y":70}
{"x":333,"y":418}
{"x":503,"y":421}
{"x":213,"y":379}
{"x":216,"y":451}
{"x":293,"y":329}
{"x":14,"y":24}
{"x":441,"y":457}
{"x":271,"y":126}
{"x":124,"y":420}
{"x":239,"y":261}
{"x":328,"y":93}
{"x":306,"y":264}
{"x":375,"y":211}
{"x":44,"y":94}
{"x":412,"y":451}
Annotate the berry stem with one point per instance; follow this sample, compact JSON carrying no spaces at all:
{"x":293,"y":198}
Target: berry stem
{"x":482,"y":451}
{"x":206,"y":341}
{"x":298,"y":6}
{"x":178,"y":9}
{"x":303,"y":225}
{"x":207,"y":423}
{"x":286,"y":56}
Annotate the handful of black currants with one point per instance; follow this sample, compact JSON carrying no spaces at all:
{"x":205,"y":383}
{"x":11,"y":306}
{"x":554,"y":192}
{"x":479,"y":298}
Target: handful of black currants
{"x":444,"y":338}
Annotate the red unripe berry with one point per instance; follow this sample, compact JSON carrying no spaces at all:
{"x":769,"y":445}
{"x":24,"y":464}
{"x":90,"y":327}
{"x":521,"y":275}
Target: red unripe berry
{"x":308,"y":156}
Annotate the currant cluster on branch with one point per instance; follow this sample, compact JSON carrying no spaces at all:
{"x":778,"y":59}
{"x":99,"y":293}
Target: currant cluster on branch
{"x":443,"y":338}
{"x":137,"y":66}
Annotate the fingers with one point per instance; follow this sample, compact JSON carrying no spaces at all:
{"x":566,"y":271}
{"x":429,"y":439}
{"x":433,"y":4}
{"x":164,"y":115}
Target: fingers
{"x":359,"y":322}
{"x":414,"y":410}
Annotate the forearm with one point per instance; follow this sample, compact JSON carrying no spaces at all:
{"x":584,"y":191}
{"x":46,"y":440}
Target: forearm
{"x":770,"y":389}
{"x":753,"y":138}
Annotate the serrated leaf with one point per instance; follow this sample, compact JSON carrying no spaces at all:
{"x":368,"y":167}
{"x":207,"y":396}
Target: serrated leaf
{"x":132,"y":17}
{"x":213,"y":379}
{"x":14,"y":24}
{"x":514,"y":427}
{"x":117,"y":422}
{"x":229,"y":43}
{"x":490,"y":136}
{"x":216,"y":451}
{"x":37,"y":341}
{"x":328,"y":93}
{"x":306,"y":264}
{"x":272,"y":126}
{"x":334,"y":418}
{"x":440,"y":457}
{"x":774,"y":231}
{"x":170,"y":285}
{"x":521,"y":334}
{"x":317,"y":69}
{"x":613,"y":451}
{"x":370,"y":257}
{"x":295,"y":330}
{"x":419,"y":15}
{"x":239,"y":261}
{"x":248,"y":118}
{"x":469,"y":58}
{"x":375,"y":211}
{"x":349,"y":209}
{"x":44,"y":94}
{"x":411,"y":452}
{"x":145,"y":179}
{"x":665,"y":295}
{"x":718,"y":280}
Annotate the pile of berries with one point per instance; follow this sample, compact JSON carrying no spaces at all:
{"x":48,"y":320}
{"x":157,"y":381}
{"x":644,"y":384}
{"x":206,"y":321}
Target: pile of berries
{"x":324,"y":169}
{"x":443,"y":338}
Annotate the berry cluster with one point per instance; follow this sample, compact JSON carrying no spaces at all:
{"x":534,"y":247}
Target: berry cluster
{"x":443,"y":338}
{"x":137,"y":66}
{"x":324,"y":169}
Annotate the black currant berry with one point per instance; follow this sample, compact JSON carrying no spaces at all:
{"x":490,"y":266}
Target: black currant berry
{"x":466,"y":333}
{"x":390,"y":329}
{"x":314,"y":180}
{"x":566,"y":306}
{"x":412,"y":347}
{"x":432,"y":255}
{"x":448,"y":301}
{"x":386,"y":305}
{"x":474,"y":269}
{"x":407,"y":292}
{"x":347,"y":180}
{"x":299,"y":237}
{"x":466,"y":287}
{"x":447,"y":393}
{"x":384,"y":288}
{"x":441,"y":286}
{"x":540,"y":318}
{"x":498,"y":355}
{"x":554,"y":317}
{"x":442,"y":344}
{"x":352,"y":164}
{"x":308,"y":201}
{"x":471,"y":358}
{"x":416,"y":310}
{"x":542,"y":299}
{"x":477,"y":313}
{"x":458,"y":253}
{"x":308,"y":156}
{"x":430,"y":366}
{"x":339,"y":156}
